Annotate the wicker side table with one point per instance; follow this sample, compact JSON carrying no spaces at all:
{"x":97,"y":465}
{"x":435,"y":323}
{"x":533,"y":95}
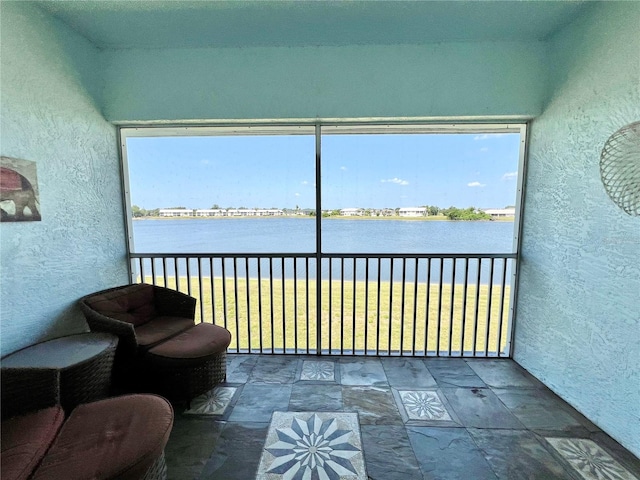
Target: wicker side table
{"x":84,"y":362}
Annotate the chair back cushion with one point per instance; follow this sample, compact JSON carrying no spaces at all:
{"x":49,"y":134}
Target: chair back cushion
{"x":133,"y":304}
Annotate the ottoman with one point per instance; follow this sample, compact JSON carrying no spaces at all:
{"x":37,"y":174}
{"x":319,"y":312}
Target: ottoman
{"x":190,"y":363}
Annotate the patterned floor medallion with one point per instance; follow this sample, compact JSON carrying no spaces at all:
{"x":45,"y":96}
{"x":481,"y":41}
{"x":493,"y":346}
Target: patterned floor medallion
{"x":312,"y":445}
{"x":589,"y":460}
{"x":424,"y":405}
{"x":314,"y":370}
{"x":214,"y":402}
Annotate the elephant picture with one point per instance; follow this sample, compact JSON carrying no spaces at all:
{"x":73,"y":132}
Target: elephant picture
{"x":18,"y":191}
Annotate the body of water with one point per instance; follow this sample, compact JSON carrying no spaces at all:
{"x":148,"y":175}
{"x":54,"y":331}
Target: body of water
{"x":297,"y":235}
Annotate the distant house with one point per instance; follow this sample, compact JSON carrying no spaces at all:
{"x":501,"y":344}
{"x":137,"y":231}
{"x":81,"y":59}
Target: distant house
{"x":413,"y":212}
{"x":210,"y":212}
{"x":176,"y":212}
{"x":500,"y":212}
{"x":352,"y":212}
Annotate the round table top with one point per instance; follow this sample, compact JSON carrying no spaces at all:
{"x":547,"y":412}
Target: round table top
{"x":60,"y":352}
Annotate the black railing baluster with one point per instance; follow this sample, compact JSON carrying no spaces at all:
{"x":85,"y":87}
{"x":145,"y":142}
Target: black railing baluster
{"x":186,"y":261}
{"x":224,"y":292}
{"x":402,"y":304}
{"x":260,"y":303}
{"x":273,"y":345}
{"x":330,"y":306}
{"x":307,"y":302}
{"x":439,"y":318}
{"x":451,"y":307}
{"x":477,"y":305}
{"x":175,"y":273}
{"x":428,"y":309}
{"x":142,"y":279}
{"x":366,"y":306}
{"x":342,"y":306}
{"x":153,"y":271}
{"x":246,"y":276}
{"x":200,"y":291}
{"x":415,"y":309}
{"x":502,"y":297}
{"x":164,"y":271}
{"x":390,"y":306}
{"x":353,"y":331}
{"x":489,"y":298}
{"x":284,"y":309}
{"x":213,"y":296}
{"x":463,"y":333}
{"x":235,"y":302}
{"x":295,"y":304}
{"x":378,"y":309}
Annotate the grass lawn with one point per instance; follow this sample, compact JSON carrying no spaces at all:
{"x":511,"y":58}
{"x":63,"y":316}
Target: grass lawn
{"x":277,"y":314}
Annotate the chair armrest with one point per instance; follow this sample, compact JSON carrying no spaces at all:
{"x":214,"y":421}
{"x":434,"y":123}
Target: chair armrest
{"x":101,"y":323}
{"x":173,"y":303}
{"x":26,"y":390}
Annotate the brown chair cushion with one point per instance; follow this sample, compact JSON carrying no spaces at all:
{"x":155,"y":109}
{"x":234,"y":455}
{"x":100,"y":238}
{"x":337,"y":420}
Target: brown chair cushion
{"x":118,"y":438}
{"x":160,"y":329}
{"x":133,"y":304}
{"x":203,"y":340}
{"x":25,"y":440}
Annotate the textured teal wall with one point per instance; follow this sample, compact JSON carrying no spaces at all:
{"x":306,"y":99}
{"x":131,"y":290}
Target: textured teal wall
{"x":578,"y":321}
{"x":436,"y":80}
{"x":48,"y":115}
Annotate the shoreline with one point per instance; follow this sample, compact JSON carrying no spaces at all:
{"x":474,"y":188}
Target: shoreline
{"x":439,"y":218}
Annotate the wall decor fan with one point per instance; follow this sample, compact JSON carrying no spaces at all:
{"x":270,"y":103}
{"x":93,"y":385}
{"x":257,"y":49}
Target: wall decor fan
{"x":620,"y":168}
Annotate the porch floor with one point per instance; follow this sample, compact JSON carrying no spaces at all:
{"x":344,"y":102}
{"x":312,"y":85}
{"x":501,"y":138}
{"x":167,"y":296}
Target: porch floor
{"x":435,"y":418}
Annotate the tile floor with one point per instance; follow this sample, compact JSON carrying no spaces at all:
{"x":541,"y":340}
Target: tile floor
{"x":393,"y":418}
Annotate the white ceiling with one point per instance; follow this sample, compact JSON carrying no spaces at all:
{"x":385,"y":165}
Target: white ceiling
{"x":237,"y":23}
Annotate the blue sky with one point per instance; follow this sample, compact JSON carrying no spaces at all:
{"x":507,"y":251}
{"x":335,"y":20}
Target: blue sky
{"x":368,"y":171}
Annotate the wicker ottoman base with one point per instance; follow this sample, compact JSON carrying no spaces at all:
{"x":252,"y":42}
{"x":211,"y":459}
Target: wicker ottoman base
{"x":189,"y":364}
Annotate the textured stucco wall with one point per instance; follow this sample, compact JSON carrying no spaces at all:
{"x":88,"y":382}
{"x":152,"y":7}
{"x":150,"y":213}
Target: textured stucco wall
{"x":48,"y":116}
{"x":578,"y":320}
{"x":446,"y":80}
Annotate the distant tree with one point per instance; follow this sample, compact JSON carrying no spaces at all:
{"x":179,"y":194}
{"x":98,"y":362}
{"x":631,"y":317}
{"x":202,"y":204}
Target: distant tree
{"x":136,"y":211}
{"x":510,"y":206}
{"x":470,"y":213}
{"x":432,"y":210}
{"x":215,"y":206}
{"x":153,"y":213}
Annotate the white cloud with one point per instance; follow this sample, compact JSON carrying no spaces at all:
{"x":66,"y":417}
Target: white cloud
{"x":297,"y":194}
{"x":510,"y":176}
{"x":476,"y":184}
{"x":396,"y":180}
{"x":343,"y":168}
{"x":304,"y":182}
{"x":205,"y":162}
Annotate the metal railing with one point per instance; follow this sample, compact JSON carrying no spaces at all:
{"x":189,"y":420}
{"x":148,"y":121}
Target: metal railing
{"x":355,"y":304}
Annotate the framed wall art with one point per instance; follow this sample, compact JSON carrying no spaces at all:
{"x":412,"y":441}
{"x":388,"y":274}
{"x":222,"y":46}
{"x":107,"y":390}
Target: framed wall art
{"x":19,"y":200}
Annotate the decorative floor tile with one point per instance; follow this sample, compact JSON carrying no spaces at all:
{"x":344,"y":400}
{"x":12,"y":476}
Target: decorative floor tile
{"x":306,"y":445}
{"x":214,"y":402}
{"x":589,"y":460}
{"x":323,"y":371}
{"x":423,"y":405}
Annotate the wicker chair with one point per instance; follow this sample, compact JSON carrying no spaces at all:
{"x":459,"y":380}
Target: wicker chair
{"x":161,"y":349}
{"x":117,"y":438}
